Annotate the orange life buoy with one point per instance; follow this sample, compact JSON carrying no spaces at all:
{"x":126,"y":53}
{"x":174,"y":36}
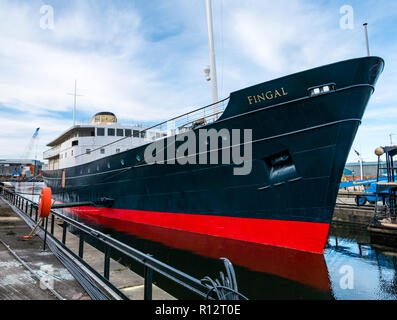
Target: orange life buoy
{"x":45,"y":203}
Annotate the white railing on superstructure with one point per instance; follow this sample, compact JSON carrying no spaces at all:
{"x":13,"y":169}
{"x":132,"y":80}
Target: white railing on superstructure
{"x":181,"y":124}
{"x":52,"y":152}
{"x":191,"y":120}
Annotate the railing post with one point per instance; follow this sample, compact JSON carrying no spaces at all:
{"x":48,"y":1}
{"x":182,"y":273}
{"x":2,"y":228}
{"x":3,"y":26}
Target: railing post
{"x":36,"y":213}
{"x":64,"y":226}
{"x":148,"y":282}
{"x":81,"y":245}
{"x":45,"y":233}
{"x":52,"y":223}
{"x":31,"y":210}
{"x":107,"y":262}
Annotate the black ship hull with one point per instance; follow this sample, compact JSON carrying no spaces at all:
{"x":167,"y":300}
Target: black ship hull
{"x":300,"y":143}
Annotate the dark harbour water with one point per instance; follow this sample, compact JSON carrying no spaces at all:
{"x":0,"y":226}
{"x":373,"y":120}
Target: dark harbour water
{"x":351,"y":268}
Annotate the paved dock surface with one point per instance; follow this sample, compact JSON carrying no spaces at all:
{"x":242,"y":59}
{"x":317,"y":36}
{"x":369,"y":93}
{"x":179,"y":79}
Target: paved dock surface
{"x":17,"y":282}
{"x":12,"y":230}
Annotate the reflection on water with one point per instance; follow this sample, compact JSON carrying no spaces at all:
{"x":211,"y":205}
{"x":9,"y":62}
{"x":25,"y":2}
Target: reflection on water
{"x":351,"y":268}
{"x":374,"y":267}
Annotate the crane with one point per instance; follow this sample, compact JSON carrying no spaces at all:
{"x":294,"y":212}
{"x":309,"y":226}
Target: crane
{"x":28,"y":151}
{"x":31,"y":144}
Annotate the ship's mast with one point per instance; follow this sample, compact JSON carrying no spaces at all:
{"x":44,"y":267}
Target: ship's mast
{"x":212,"y":59}
{"x":366,"y":38}
{"x":75,"y":101}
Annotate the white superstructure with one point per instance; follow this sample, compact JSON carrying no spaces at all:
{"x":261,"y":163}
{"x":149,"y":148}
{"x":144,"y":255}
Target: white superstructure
{"x":103,"y":137}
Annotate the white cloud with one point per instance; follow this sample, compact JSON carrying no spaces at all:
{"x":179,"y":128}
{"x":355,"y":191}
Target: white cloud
{"x":145,"y":63}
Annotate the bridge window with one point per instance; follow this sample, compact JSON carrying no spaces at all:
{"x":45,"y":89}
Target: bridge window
{"x":128,"y":132}
{"x":136,"y":134}
{"x":87,"y":132}
{"x":100,"y":132}
{"x":102,"y":151}
{"x":111,"y":132}
{"x":75,"y":143}
{"x":120,"y":132}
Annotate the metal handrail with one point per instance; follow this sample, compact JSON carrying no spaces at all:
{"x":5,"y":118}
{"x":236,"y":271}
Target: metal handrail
{"x":151,"y":264}
{"x":197,"y":119}
{"x":186,"y":114}
{"x":162,"y":123}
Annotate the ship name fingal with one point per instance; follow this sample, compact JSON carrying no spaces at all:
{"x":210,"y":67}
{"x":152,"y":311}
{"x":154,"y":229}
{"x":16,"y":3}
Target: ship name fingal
{"x":265,"y":96}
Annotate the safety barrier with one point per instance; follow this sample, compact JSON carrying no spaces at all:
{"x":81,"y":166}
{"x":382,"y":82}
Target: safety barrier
{"x":206,"y":288}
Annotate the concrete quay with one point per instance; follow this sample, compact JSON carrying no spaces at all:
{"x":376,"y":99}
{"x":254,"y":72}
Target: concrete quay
{"x":17,"y":282}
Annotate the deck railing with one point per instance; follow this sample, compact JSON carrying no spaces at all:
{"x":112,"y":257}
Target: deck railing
{"x":52,"y":152}
{"x":191,"y":120}
{"x":180,"y":124}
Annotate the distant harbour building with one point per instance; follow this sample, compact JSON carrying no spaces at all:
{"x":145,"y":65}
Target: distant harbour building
{"x":19,"y":167}
{"x":353,"y":170}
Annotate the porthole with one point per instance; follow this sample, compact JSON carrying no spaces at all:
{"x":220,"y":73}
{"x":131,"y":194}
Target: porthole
{"x":108,"y":165}
{"x":122,"y":162}
{"x":97,"y":168}
{"x":138,"y":157}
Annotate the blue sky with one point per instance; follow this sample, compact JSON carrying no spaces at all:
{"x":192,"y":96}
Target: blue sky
{"x":144,"y":60}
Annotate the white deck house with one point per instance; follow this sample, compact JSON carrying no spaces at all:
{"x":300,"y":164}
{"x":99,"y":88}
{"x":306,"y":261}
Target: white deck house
{"x":103,"y":137}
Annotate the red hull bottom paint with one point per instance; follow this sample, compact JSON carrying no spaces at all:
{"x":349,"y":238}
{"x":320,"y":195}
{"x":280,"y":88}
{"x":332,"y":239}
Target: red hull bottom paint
{"x":303,"y":236}
{"x":308,"y":268}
